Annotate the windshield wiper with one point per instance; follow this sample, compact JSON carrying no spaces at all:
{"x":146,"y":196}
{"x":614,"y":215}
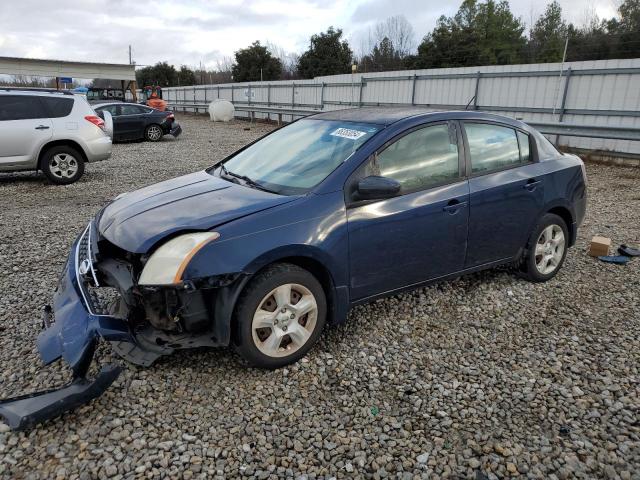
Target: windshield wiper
{"x":247,"y":180}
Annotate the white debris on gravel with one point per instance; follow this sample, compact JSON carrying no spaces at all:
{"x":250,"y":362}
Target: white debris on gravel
{"x":487,"y":376}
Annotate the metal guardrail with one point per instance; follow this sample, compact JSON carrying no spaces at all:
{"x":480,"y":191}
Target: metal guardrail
{"x":587,"y":131}
{"x":549,"y":128}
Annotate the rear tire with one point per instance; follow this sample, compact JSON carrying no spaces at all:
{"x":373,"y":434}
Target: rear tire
{"x":153,"y":133}
{"x":62,"y":165}
{"x":279,"y":316}
{"x":546,"y":249}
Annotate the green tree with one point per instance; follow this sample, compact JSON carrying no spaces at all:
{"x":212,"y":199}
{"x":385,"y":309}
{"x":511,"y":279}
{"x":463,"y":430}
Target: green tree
{"x":548,"y":35}
{"x":186,"y":76}
{"x":161,"y":74}
{"x":627,"y":29}
{"x":255,"y":63}
{"x":383,"y":58}
{"x":480,"y":33}
{"x":327,"y":54}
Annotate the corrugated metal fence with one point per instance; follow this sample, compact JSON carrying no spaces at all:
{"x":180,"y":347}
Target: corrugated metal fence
{"x":594,"y":93}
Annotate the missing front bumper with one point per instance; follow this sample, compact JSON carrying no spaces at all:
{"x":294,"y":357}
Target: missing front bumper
{"x":28,"y":410}
{"x":72,"y":328}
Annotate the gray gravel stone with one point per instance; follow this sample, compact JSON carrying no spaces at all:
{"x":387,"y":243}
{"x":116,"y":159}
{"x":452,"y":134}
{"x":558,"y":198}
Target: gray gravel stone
{"x":486,"y":376}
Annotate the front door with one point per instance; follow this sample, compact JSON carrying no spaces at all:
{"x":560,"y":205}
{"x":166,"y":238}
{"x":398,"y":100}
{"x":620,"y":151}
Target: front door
{"x":506,"y":192}
{"x":421,"y":233}
{"x":24,"y":129}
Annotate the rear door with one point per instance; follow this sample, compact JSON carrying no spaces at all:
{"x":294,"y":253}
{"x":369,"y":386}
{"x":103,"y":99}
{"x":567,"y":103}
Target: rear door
{"x":24,"y":129}
{"x":131,"y":121}
{"x":506,"y":191}
{"x":421,"y":233}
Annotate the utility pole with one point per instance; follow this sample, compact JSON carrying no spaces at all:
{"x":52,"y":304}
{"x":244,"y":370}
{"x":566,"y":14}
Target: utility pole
{"x":130,"y":55}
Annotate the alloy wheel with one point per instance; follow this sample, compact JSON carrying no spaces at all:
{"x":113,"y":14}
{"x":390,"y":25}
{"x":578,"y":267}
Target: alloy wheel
{"x":549,"y":249}
{"x":284,"y":320}
{"x":63,"y":165}
{"x":154,"y":132}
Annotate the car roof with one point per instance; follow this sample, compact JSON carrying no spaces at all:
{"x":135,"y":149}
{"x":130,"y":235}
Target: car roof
{"x":43,"y":92}
{"x":388,"y":115}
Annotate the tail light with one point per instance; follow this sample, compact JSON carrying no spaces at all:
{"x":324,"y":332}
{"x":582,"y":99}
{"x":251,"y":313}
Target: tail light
{"x":97,"y":121}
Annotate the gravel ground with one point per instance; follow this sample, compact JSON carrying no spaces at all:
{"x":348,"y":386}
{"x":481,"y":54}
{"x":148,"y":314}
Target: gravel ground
{"x":484,"y":377}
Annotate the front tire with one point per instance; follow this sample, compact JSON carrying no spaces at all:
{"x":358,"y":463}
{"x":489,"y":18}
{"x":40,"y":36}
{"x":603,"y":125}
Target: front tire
{"x":546,"y":249}
{"x":153,"y":133}
{"x":279,"y":316}
{"x":62,"y":165}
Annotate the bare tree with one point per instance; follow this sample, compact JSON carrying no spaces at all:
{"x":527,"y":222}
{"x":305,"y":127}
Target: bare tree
{"x":289,"y":60}
{"x":399,"y":31}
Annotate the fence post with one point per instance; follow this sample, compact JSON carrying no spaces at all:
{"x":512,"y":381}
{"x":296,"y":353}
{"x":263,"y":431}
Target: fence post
{"x":360,"y":93}
{"x":564,"y":101}
{"x":205,"y":97}
{"x":322,"y":96}
{"x":293,"y":94}
{"x":477,"y":89}
{"x":249,"y":94}
{"x":268,"y":94}
{"x":413,"y":90}
{"x":195,"y":109}
{"x":564,"y":95}
{"x":218,"y":92}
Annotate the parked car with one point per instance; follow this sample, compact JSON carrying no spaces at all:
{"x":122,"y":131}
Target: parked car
{"x":53,"y":131}
{"x":135,"y":122}
{"x":287,"y":234}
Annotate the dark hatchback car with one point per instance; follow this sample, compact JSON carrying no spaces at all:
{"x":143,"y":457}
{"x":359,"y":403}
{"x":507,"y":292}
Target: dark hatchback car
{"x":287,"y":234}
{"x":138,"y":122}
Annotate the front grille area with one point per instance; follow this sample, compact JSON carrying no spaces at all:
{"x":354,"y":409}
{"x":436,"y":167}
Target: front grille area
{"x":97,"y":298}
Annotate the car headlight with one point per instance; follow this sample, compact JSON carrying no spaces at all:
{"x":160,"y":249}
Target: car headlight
{"x":167,"y":264}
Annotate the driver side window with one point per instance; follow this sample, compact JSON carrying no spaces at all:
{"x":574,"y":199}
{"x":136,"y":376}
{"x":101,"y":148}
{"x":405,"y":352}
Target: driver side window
{"x":420,"y":159}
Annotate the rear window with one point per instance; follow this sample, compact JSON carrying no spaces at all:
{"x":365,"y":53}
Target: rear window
{"x":20,"y":107}
{"x":58,"y":107}
{"x":491,"y":146}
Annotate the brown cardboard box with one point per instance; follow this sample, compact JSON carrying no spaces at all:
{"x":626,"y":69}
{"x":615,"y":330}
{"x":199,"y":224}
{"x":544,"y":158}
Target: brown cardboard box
{"x":599,"y":246}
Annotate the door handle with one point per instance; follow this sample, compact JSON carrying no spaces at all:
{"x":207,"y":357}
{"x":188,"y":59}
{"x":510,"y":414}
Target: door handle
{"x":531,"y":184}
{"x":453,"y":206}
{"x":42,"y":127}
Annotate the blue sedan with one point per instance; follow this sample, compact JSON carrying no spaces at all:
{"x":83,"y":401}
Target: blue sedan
{"x":263,"y":249}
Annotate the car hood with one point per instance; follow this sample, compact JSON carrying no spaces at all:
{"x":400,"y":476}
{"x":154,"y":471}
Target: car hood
{"x":137,"y":220}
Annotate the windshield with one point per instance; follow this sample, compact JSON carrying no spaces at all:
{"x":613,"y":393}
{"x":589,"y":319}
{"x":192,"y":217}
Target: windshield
{"x":299,"y":156}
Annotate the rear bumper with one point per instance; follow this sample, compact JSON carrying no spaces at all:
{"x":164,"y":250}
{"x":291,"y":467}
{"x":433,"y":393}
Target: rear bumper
{"x":175,"y":129}
{"x":98,"y":149}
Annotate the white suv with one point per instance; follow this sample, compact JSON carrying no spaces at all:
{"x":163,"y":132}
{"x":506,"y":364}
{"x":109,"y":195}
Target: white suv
{"x":53,"y":131}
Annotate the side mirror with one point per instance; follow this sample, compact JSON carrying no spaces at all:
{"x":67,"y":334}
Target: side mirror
{"x":377,"y":188}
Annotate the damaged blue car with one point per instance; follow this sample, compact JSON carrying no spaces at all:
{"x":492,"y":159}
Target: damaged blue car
{"x":264,"y":248}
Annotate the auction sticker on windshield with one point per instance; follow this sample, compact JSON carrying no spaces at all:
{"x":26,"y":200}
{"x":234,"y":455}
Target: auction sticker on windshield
{"x":348,"y":133}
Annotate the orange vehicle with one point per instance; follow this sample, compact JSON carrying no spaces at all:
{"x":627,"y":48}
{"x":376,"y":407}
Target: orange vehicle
{"x":152,"y":96}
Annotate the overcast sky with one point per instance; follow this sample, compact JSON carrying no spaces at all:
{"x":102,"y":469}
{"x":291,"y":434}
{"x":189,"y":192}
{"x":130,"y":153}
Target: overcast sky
{"x":191,"y":31}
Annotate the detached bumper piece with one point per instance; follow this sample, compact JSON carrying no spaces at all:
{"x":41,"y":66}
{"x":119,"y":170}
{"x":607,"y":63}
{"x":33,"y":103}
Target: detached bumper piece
{"x":26,"y":411}
{"x":175,"y":130}
{"x":72,"y":329}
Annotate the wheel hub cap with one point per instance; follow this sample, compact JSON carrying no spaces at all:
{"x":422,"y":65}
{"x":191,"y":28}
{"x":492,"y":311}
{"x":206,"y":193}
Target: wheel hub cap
{"x":285,"y":320}
{"x":549,"y":249}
